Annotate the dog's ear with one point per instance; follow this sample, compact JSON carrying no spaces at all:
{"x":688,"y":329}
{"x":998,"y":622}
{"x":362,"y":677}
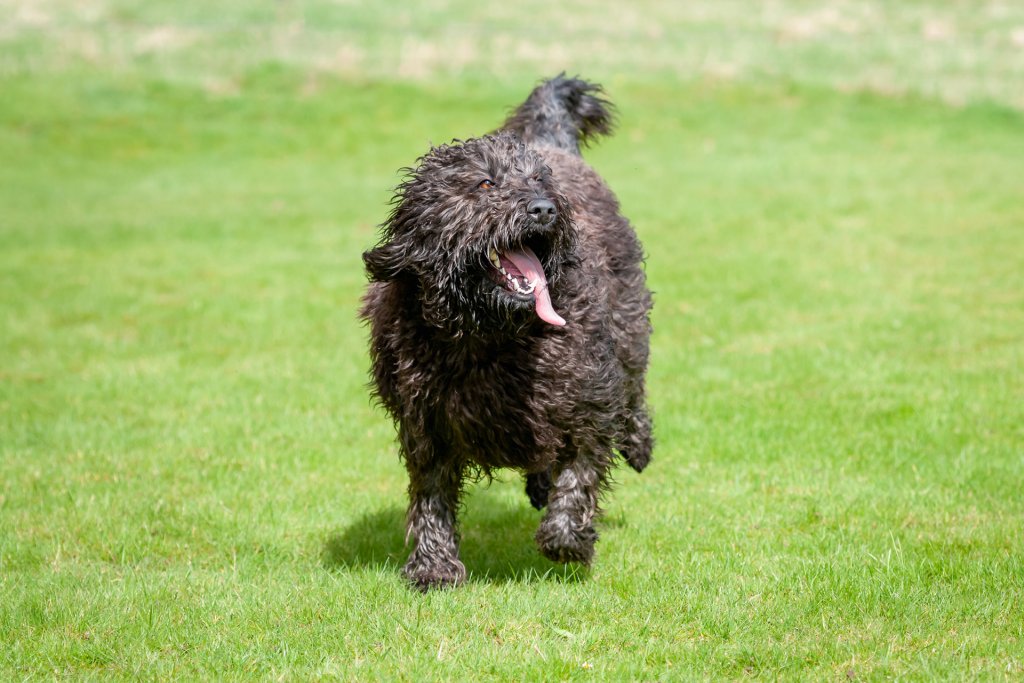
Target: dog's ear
{"x":386,"y":262}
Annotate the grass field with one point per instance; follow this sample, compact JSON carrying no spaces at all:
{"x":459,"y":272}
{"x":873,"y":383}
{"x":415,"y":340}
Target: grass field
{"x":194,"y":484}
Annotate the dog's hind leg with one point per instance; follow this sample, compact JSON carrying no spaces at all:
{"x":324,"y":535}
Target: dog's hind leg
{"x":433,"y":504}
{"x":538,"y":488}
{"x":567,"y":532}
{"x":637,"y":443}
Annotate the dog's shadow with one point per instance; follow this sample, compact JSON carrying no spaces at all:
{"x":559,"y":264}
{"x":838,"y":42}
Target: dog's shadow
{"x":497,"y":543}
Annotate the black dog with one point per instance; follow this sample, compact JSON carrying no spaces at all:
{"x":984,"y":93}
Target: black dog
{"x":509,"y":324}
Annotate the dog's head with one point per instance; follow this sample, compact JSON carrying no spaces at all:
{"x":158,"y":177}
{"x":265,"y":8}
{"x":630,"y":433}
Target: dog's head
{"x":481,"y":227}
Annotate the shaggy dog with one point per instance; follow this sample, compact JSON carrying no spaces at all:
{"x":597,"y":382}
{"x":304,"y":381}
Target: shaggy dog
{"x":509,"y":321}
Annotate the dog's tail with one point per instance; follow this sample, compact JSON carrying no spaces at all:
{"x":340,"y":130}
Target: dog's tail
{"x":564,"y":113}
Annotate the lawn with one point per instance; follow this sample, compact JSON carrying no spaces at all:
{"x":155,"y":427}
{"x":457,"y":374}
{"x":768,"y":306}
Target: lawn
{"x":194,"y":483}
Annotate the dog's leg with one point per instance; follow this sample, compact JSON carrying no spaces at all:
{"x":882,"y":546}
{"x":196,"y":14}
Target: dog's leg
{"x":637,"y":442}
{"x":538,"y":488}
{"x":433,"y":503}
{"x":434,"y":487}
{"x":567,"y":532}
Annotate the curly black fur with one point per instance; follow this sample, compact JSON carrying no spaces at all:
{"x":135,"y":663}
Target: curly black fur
{"x":462,"y":360}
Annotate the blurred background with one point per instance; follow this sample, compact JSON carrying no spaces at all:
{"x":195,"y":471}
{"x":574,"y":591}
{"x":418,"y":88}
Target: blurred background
{"x":958,"y":52}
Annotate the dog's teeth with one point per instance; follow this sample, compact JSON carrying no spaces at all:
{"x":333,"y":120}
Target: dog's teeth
{"x":519,"y":288}
{"x":495,"y":261}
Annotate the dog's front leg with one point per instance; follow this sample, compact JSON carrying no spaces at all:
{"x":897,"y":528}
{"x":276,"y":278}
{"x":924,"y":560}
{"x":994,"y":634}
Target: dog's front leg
{"x":567,"y":532}
{"x":434,"y":487}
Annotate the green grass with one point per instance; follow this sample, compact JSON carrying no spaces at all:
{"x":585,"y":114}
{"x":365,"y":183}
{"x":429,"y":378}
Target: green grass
{"x":194,"y":484}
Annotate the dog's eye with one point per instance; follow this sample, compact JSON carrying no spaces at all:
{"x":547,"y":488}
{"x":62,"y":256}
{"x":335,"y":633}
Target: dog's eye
{"x":486,"y":184}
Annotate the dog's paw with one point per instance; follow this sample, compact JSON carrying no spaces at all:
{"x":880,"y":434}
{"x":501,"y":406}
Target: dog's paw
{"x":538,"y":487}
{"x":637,"y":449}
{"x":562,"y":543}
{"x":425,"y":576}
{"x":638,"y":459}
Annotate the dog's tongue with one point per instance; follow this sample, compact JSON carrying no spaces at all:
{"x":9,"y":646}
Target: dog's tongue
{"x":529,"y":265}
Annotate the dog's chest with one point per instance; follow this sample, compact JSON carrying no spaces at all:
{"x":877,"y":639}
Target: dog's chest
{"x":494,"y":408}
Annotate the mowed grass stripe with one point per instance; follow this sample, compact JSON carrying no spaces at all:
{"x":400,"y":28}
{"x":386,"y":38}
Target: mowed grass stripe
{"x":194,"y":484}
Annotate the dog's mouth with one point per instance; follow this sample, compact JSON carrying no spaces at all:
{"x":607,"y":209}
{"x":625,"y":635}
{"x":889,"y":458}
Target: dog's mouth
{"x":519,"y":273}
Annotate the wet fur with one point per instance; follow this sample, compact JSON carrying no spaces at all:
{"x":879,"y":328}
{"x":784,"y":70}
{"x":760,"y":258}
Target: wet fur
{"x":473,"y":378}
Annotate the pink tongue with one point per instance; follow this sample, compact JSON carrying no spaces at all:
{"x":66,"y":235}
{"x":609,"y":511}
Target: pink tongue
{"x":529,"y":265}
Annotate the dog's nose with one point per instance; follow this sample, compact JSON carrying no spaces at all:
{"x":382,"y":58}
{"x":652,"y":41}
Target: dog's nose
{"x":541,"y":210}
